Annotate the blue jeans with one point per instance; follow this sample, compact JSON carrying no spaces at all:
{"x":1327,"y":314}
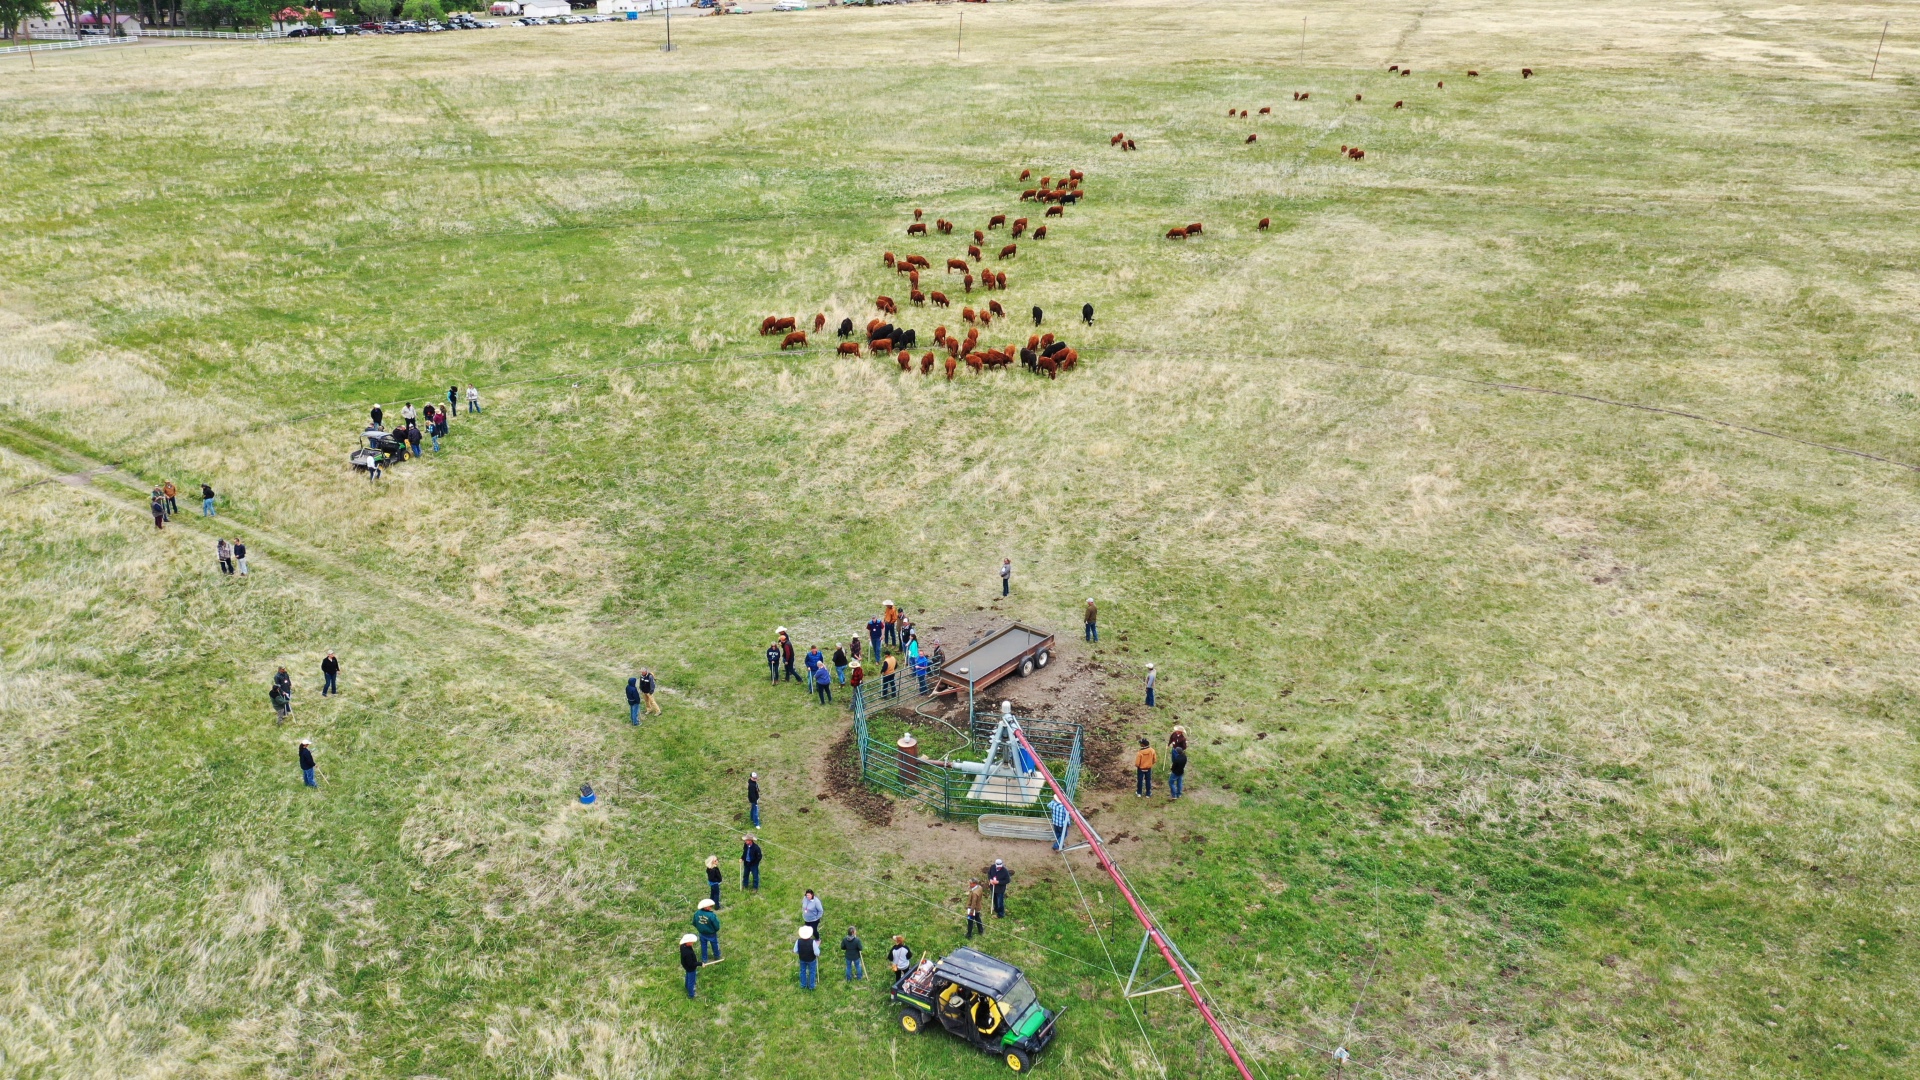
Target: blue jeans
{"x":472,"y":406}
{"x":633,"y":712}
{"x":1093,"y":631}
{"x":307,"y":774}
{"x":923,"y":681}
{"x":692,"y":977}
{"x":875,"y":640}
{"x":436,"y":442}
{"x":753,"y":811}
{"x":750,"y":873}
{"x":1149,"y":697}
{"x":333,"y":683}
{"x":1005,"y":584}
{"x":713,"y":892}
{"x":773,"y":669}
{"x":1059,"y":837}
{"x":709,"y":941}
{"x":889,"y":634}
{"x":840,"y":673}
{"x":206,"y":508}
{"x":855,"y":970}
{"x":1176,"y":783}
{"x":1143,"y":781}
{"x":809,"y":974}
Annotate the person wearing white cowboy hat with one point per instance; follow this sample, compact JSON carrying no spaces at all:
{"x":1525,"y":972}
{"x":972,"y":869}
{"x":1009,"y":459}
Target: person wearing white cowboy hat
{"x":689,"y":962}
{"x":1151,"y":678}
{"x":997,"y":878}
{"x":808,"y":950}
{"x":713,"y":879}
{"x":706,"y":926}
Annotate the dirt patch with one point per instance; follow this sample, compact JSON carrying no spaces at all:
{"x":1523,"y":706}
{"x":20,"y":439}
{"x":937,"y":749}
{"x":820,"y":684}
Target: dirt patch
{"x":841,"y":780}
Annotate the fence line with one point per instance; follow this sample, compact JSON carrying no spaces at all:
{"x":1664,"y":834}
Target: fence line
{"x":72,"y":43}
{"x":220,"y":35}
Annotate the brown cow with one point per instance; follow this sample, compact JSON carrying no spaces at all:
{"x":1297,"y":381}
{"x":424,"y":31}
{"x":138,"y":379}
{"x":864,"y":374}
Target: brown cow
{"x":985,"y":317}
{"x":1056,"y":211}
{"x":1253,"y":138}
{"x":766,"y":324}
{"x":944,"y":225}
{"x":1356,"y":153}
{"x":798,"y":337}
{"x":994,"y":306}
{"x":1000,"y":280}
{"x":1356,"y":97}
{"x":884,"y":303}
{"x":1264,"y":223}
{"x":979,"y":237}
{"x":1033,"y":341}
{"x":874,"y":324}
{"x":956,"y":264}
{"x":1441,"y":85}
{"x":819,"y":322}
{"x":1176,"y":234}
{"x":1398,"y":104}
{"x":1046,"y":340}
{"x":1117,"y":139}
{"x":1040,"y":233}
{"x":916,"y":214}
{"x":883,"y":345}
{"x":887,"y":257}
{"x":786,"y":323}
{"x":918,"y":260}
{"x":1049,"y":365}
{"x":918,"y":297}
{"x":1129,"y":145}
{"x":1266,"y":110}
{"x":1046,"y":182}
{"x":918,"y":228}
{"x":951,"y":367}
{"x":1232,"y":113}
{"x":967,"y":282}
{"x":1019,"y":226}
{"x":973,"y":252}
{"x":926,"y":364}
{"x":1009,"y":251}
{"x":1526,"y":73}
{"x":1194,"y":229}
{"x":1028,"y":194}
{"x":1024,"y":173}
{"x":906,"y":360}
{"x":939,"y":299}
{"x":1076,"y":175}
{"x":849,"y":348}
{"x":1067,"y":358}
{"x":976,"y":362}
{"x":1393,"y":67}
{"x":1472,"y":74}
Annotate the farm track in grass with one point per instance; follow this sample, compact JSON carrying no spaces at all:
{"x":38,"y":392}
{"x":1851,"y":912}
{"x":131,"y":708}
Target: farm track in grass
{"x":1534,"y":733}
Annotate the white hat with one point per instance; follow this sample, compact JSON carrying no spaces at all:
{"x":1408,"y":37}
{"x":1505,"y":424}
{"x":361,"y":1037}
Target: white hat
{"x":1149,"y":667}
{"x":688,"y":939}
{"x":753,"y":776}
{"x":306,"y":742}
{"x":886,"y":603}
{"x":779,"y":629}
{"x":999,"y":862}
{"x":806,"y":932}
{"x":1089,"y":599}
{"x":705,"y":904}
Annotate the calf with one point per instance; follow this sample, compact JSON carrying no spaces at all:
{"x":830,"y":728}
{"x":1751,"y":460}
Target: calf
{"x":1009,"y":251}
{"x":797,"y":338}
{"x":1264,"y":223}
{"x":939,"y":299}
{"x":819,"y":322}
{"x":1253,"y":138}
{"x":1176,"y":234}
{"x":846,"y":327}
{"x":1040,"y":233}
{"x":918,"y":228}
{"x":944,"y":225}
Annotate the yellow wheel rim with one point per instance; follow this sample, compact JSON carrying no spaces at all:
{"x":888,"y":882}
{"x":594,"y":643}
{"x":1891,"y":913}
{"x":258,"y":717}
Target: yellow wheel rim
{"x":909,"y":1023}
{"x":1013,"y":1062}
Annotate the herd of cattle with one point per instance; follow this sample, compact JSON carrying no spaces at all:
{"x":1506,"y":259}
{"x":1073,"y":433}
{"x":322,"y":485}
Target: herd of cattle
{"x":1042,"y":352}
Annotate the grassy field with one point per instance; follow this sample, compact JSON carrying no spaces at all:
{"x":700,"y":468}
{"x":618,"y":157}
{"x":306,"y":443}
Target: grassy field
{"x":1534,"y":735}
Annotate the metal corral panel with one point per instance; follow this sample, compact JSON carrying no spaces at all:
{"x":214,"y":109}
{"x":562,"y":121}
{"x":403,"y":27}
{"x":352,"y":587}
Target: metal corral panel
{"x":1009,"y":827}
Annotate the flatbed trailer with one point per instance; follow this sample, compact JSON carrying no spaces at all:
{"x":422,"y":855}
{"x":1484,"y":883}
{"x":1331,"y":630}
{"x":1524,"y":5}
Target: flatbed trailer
{"x":1015,"y":647}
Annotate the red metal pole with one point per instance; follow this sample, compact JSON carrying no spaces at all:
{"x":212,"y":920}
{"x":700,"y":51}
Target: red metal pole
{"x":1100,"y":852}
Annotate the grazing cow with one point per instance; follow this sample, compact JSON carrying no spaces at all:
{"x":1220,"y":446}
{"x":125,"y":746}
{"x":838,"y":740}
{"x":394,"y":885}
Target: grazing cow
{"x":1441,"y":85}
{"x":880,"y":347}
{"x":872,"y":325}
{"x":1264,"y":223}
{"x":887,"y":257}
{"x":919,"y":261}
{"x":1266,"y":111}
{"x":1231,"y":113}
{"x":917,"y":297}
{"x":819,"y":322}
{"x":1047,"y":365}
{"x":1029,"y":359}
{"x":973,"y":252}
{"x":952,"y":366}
{"x":1117,"y":139}
{"x":885,"y":303}
{"x":1176,"y":234}
{"x":846,"y":327}
{"x":1056,"y":211}
{"x":786,"y":323}
{"x":1356,"y":153}
{"x":1243,"y":114}
{"x":1472,"y":74}
{"x":908,"y":337}
{"x":1399,"y":104}
{"x":956,"y":264}
{"x":1037,"y":314}
{"x":1045,"y":340}
{"x":1028,"y":194}
{"x":967,"y":283}
{"x":918,"y":228}
{"x":1009,"y":251}
{"x":1000,"y":279}
{"x":1019,"y":226}
{"x":916,"y":214}
{"x":906,"y":361}
{"x":1404,"y":72}
{"x":1075,"y":176}
{"x":939,"y":299}
{"x":1194,"y":229}
{"x":1253,"y":138}
{"x":798,"y":337}
{"x":1052,"y":347}
{"x":1086,"y":314}
{"x":1526,"y":73}
{"x":1024,"y":173}
{"x":996,"y":220}
{"x":1066,"y":359}
{"x":994,"y":306}
{"x":1033,"y":340}
{"x":985,"y":317}
{"x":1129,"y":145}
{"x":1046,"y":182}
{"x":766,"y":324}
{"x":926,"y":364}
{"x":849,"y":348}
{"x":979,"y":237}
{"x":1356,"y":97}
{"x":1296,"y":95}
{"x":913,"y":278}
{"x":1040,"y":233}
{"x":976,"y":362}
{"x":966,"y":314}
{"x":1393,"y":67}
{"x":943,"y":225}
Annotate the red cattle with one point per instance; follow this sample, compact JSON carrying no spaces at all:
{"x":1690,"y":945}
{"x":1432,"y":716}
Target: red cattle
{"x":918,"y":260}
{"x":1399,"y":104}
{"x":1526,"y":73}
{"x":956,"y":264}
{"x":906,"y":360}
{"x":877,"y":348}
{"x":1000,"y":280}
{"x":994,"y":306}
{"x":1076,"y":175}
{"x":939,"y":299}
{"x":967,"y":281}
{"x":1441,"y":85}
{"x":1009,"y":251}
{"x":1176,"y":234}
{"x":1253,"y":138}
{"x":996,"y":221}
{"x":798,"y":337}
{"x":1194,"y":229}
{"x":916,"y":215}
{"x":979,"y":237}
{"x":943,"y":225}
{"x":1266,"y":110}
{"x":917,"y":229}
{"x":1356,"y":97}
{"x":966,"y":314}
{"x":1024,"y":173}
{"x":1049,"y":365}
{"x":766,"y":324}
{"x":885,"y":303}
{"x":849,"y":348}
{"x":917,"y":296}
{"x":1040,"y":233}
{"x":819,"y":322}
{"x":786,"y":323}
{"x":1264,"y":223}
{"x":1028,"y":194}
{"x":887,"y":257}
{"x":1056,"y":211}
{"x":1019,"y":226}
{"x":976,"y":362}
{"x":973,"y":252}
{"x":926,"y":364}
{"x":1117,"y":139}
{"x":952,"y":365}
{"x":1472,"y":74}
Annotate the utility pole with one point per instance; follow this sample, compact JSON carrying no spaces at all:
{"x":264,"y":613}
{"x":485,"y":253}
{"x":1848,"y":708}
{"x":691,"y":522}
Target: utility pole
{"x":668,"y":47}
{"x":1877,"y":48}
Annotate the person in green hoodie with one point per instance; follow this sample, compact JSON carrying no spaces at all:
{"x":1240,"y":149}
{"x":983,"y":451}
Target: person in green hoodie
{"x":707,"y":925}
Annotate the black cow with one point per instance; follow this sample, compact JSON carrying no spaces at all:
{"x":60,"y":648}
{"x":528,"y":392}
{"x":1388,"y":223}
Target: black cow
{"x":1036,"y":314}
{"x":1086,"y":314}
{"x":1054,"y":348}
{"x":884,"y":330}
{"x":1030,"y":359}
{"x":906,"y":339}
{"x":846,"y":327}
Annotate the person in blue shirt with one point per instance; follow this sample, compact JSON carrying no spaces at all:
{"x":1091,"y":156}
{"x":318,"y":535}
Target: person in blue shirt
{"x":749,"y":863}
{"x":921,"y":666}
{"x":823,"y":683}
{"x":874,"y":627}
{"x":633,"y":700}
{"x":1057,"y":810}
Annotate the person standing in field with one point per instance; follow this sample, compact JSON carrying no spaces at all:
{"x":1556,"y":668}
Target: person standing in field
{"x":975,"y":894}
{"x":377,"y":413}
{"x":997,"y":878}
{"x":874,"y":628}
{"x":282,"y":704}
{"x":823,"y":683}
{"x":633,"y":700}
{"x":1006,"y":576}
{"x":890,"y":622}
{"x":648,"y":688}
{"x":807,"y":948}
{"x":1152,"y":678}
{"x":406,"y":414}
{"x":853,"y":646}
{"x":814,"y":661}
{"x":1093,"y":621}
{"x":436,"y":426}
{"x":888,"y":665}
{"x":707,"y":926}
{"x":689,"y":962}
{"x":157,"y":503}
{"x":749,"y":863}
{"x":855,"y":675}
{"x":1177,"y":764}
{"x":811,"y":912}
{"x":413,"y":439}
{"x":473,"y":399}
{"x":786,"y":655}
{"x":172,"y":493}
{"x":773,"y":661}
{"x":306,"y":763}
{"x":453,"y":399}
{"x":240,"y":558}
{"x":330,"y":673}
{"x":206,"y":501}
{"x":900,"y":958}
{"x":840,"y":665}
{"x":224,"y":552}
{"x":713,"y":879}
{"x":1057,"y":813}
{"x":851,"y":946}
{"x":753,"y":799}
{"x":1143,"y":771}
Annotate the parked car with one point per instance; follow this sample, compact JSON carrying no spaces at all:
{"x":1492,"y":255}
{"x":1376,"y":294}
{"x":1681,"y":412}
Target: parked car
{"x":790,"y":5}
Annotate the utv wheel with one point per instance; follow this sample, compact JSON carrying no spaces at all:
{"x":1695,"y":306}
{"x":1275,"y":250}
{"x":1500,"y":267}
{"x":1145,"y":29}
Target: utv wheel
{"x":1019,"y":1060}
{"x":912,"y":1021}
{"x":1026,"y":667}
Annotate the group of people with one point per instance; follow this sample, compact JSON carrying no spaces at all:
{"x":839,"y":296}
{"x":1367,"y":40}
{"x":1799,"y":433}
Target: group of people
{"x":280,"y":693}
{"x":164,"y":502}
{"x":890,"y":637}
{"x":409,"y":435}
{"x":1145,"y":759}
{"x":232,"y":555}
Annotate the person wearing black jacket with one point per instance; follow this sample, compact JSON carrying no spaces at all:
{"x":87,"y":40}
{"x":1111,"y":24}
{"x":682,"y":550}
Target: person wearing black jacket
{"x":648,"y":687}
{"x":786,"y":655}
{"x":1177,"y":770}
{"x":851,"y":946}
{"x":413,"y":437}
{"x":808,"y":950}
{"x":998,"y":876}
{"x":713,"y":879}
{"x":840,"y":664}
{"x":633,"y":700}
{"x":773,"y":661}
{"x":753,"y":798}
{"x":306,"y":763}
{"x":330,"y":669}
{"x":690,"y":961}
{"x":749,"y":863}
{"x":206,"y":501}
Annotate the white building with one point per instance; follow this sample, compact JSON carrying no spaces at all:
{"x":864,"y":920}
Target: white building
{"x":545,"y":9}
{"x":621,"y":7}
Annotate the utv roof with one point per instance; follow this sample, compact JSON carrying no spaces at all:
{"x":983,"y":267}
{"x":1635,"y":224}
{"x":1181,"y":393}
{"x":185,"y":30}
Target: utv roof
{"x":978,"y":971}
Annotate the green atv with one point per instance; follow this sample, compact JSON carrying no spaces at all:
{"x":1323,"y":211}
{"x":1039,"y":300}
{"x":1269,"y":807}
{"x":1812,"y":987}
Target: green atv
{"x":987,"y":1002}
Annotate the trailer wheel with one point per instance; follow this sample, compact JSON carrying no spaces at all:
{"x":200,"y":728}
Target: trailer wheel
{"x":1019,"y":1060}
{"x":1042,"y":659}
{"x":912,"y":1020}
{"x":1026,"y":667}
